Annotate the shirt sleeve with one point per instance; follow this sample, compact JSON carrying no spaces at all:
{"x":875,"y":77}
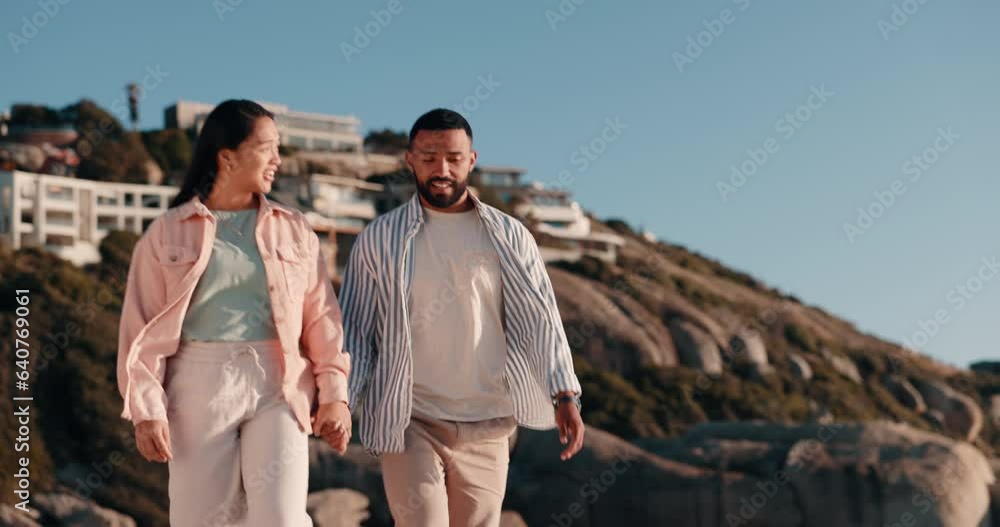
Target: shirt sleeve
{"x":552,"y":335}
{"x":322,"y":330}
{"x":360,"y":306}
{"x":139,"y":379}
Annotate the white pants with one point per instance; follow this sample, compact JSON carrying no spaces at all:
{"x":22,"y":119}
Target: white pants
{"x":239,"y":457}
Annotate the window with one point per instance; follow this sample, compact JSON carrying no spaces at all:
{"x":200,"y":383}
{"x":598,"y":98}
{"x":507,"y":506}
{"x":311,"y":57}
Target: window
{"x":297,"y":141}
{"x":107,"y":222}
{"x":151,"y":201}
{"x":322,"y":144}
{"x":129,"y":199}
{"x":58,"y":192}
{"x":495,"y":179}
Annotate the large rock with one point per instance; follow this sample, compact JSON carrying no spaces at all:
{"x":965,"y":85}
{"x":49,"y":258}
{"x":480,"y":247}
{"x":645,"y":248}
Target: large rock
{"x":608,"y":327}
{"x":696,"y":348}
{"x":799,"y":366}
{"x":842,"y":364}
{"x":354,"y":470}
{"x":69,"y":510}
{"x":877,"y":473}
{"x":337,"y":508}
{"x":994,"y":410}
{"x":748,"y":347}
{"x":962,"y":416}
{"x":13,"y":517}
{"x":611,"y":482}
{"x":905,"y":393}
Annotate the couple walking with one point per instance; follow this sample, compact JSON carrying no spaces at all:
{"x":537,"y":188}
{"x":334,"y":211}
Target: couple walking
{"x":233,"y":349}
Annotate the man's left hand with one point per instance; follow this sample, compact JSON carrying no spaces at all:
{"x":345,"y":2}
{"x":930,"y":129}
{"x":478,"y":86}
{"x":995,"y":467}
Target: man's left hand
{"x":571,"y":429}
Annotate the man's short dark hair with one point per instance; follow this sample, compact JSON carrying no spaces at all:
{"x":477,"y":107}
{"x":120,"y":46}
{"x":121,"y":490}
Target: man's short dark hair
{"x":440,"y":119}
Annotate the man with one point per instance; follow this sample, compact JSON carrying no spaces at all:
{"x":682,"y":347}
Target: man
{"x":456,"y":339}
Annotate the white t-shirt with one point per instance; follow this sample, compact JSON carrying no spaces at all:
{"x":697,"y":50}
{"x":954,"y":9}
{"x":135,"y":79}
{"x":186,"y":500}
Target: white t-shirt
{"x":456,"y":320}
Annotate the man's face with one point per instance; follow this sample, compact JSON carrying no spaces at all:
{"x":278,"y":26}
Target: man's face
{"x":441,"y":161}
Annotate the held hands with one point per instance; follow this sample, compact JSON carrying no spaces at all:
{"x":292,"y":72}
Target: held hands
{"x":332,"y":422}
{"x":571,"y":429}
{"x":152,"y":438}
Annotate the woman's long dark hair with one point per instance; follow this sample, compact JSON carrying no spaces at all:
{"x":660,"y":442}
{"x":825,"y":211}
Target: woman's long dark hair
{"x":229,"y":124}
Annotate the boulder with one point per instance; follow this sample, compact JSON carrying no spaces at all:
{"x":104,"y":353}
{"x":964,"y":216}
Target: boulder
{"x":799,"y":366}
{"x":337,"y":508}
{"x":748,"y":347}
{"x":905,"y":393}
{"x":741,"y":473}
{"x":842,"y":364}
{"x":66,"y":509}
{"x":608,"y":327}
{"x":873,"y":473}
{"x":612,"y":482}
{"x":354,"y":470}
{"x":961,"y":415}
{"x":695,"y":347}
{"x":994,"y":410}
{"x":13,"y":517}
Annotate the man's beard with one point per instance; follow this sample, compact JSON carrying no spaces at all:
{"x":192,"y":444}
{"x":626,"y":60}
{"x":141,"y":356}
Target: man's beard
{"x":441,"y":201}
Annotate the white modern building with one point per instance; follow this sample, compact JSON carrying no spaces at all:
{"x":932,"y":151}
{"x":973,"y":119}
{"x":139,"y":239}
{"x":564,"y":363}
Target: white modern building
{"x":304,"y":130}
{"x":340,"y":207}
{"x":561,"y":227}
{"x":70,"y":216}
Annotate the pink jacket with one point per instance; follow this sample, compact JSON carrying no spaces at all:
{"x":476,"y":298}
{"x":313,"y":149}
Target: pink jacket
{"x":167,"y":262}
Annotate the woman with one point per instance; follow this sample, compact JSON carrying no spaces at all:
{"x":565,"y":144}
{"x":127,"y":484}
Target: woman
{"x":222,"y":290}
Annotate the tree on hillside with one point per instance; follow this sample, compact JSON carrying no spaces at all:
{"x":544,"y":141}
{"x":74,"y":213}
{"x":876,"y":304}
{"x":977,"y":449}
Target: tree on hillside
{"x":171,"y":149}
{"x":108,"y":152}
{"x":34,"y":115}
{"x":387,"y":141}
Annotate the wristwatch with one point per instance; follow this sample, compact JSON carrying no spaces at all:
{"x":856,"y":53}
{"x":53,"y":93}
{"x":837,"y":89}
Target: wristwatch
{"x":556,"y":401}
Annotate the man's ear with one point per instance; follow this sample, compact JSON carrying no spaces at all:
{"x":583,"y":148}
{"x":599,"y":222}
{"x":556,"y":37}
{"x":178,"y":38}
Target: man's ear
{"x":406,"y":161}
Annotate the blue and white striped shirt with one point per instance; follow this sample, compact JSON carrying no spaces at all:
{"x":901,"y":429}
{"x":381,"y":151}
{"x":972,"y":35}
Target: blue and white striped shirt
{"x":377,"y":328}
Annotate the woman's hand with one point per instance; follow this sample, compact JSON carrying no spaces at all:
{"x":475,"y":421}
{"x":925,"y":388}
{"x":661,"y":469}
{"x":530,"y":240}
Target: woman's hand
{"x":332,"y":422}
{"x":152,"y":438}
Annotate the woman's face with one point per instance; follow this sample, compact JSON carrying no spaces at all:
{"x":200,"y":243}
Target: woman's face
{"x":253,"y":165}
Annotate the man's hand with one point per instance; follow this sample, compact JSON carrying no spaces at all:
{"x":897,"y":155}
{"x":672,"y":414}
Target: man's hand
{"x":332,"y":422}
{"x":152,"y":438}
{"x":570,"y":429}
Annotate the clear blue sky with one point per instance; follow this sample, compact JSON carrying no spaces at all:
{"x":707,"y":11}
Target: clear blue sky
{"x":554,"y":88}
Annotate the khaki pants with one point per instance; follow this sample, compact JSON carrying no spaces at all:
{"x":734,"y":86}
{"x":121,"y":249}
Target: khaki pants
{"x":240,"y":457}
{"x":450,"y":472}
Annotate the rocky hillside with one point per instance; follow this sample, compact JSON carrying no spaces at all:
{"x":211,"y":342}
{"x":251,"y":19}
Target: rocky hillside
{"x":667,"y":344}
{"x":676,"y":339}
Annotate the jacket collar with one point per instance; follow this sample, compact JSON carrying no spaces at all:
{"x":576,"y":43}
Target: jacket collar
{"x":195,"y":206}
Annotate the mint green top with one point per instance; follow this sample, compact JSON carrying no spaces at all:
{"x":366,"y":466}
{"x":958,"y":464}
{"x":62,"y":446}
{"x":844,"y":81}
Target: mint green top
{"x":231,"y":302}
